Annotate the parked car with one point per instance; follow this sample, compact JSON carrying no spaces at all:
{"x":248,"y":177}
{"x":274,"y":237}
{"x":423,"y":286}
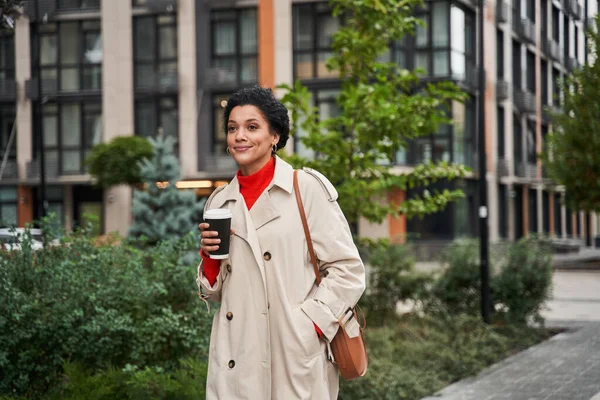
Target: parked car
{"x":12,"y":239}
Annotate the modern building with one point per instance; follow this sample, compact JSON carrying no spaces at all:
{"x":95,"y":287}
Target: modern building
{"x":122,"y":67}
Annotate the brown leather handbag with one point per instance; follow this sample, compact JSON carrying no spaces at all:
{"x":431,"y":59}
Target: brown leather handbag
{"x":349,"y":353}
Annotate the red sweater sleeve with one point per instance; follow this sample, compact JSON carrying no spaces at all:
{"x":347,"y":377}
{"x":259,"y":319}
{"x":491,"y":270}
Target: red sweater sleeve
{"x":211,"y":268}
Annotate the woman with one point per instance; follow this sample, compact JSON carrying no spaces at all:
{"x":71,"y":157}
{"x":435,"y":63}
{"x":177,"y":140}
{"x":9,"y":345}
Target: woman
{"x":270,"y":337}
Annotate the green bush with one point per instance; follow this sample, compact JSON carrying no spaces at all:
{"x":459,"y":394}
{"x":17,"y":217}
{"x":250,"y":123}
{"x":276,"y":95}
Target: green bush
{"x":390,"y":278}
{"x":117,"y":162}
{"x":520,"y":281}
{"x":458,"y":287}
{"x":419,"y":356}
{"x":132,"y":383}
{"x":524,"y":282}
{"x":96,"y":304}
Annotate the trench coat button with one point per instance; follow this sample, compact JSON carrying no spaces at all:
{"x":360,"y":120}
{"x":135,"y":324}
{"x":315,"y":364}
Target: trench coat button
{"x":231,"y":364}
{"x":228,"y":267}
{"x":267,"y":256}
{"x":229,"y":315}
{"x":268,"y":306}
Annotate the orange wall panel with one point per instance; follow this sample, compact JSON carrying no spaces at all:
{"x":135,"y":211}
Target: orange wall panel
{"x":397,"y":225}
{"x":25,"y":205}
{"x":266,"y":44}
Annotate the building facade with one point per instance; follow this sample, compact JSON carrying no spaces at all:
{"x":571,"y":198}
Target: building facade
{"x":123,"y":67}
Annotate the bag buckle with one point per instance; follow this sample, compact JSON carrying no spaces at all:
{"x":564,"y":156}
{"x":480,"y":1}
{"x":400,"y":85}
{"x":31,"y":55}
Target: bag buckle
{"x":346,"y":317}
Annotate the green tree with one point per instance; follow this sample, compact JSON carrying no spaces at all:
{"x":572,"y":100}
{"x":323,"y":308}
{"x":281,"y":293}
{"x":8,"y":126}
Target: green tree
{"x":571,"y":157}
{"x":162,"y":211}
{"x":382,"y":107}
{"x":117,"y":162}
{"x":10,"y":10}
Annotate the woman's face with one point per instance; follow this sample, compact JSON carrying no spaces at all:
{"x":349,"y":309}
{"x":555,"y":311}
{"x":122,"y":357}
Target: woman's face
{"x":249,"y":139}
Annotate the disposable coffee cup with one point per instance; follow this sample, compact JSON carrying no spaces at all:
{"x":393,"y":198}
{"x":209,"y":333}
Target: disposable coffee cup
{"x":220,"y":221}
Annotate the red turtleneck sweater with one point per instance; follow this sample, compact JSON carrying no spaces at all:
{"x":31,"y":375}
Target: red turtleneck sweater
{"x":251,"y":187}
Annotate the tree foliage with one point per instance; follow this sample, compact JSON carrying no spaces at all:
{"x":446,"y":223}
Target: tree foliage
{"x":382,"y":107}
{"x":165,"y":212}
{"x":572,"y":158}
{"x":117,"y":162}
{"x":10,"y":10}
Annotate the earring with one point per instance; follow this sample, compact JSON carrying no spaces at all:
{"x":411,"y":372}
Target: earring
{"x":274,"y":149}
{"x":227,"y":150}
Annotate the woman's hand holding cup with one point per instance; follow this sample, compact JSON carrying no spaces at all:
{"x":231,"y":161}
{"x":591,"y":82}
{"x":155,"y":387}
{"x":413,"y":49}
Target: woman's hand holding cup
{"x":209,"y":240}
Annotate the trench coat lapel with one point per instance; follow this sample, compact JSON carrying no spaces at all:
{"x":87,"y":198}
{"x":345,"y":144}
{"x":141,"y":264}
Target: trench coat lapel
{"x":264,"y":210}
{"x":242,"y":223}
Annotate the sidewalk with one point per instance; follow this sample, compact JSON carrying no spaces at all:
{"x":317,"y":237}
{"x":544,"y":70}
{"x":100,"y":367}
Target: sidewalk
{"x":566,"y":367}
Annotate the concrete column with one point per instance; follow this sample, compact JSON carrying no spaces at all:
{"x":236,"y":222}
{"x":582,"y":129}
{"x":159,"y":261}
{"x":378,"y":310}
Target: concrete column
{"x":510,"y":212}
{"x":493,"y":207}
{"x":188,"y":98}
{"x":552,"y":224}
{"x":117,"y":100}
{"x":24,"y":109}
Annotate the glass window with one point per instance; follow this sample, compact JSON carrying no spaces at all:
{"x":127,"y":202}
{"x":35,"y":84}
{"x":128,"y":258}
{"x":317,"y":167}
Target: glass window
{"x":440,"y":20}
{"x":533,"y":217}
{"x":70,"y":131}
{"x":516,"y":58}
{"x":500,"y":54}
{"x":157,"y":113}
{"x":544,"y":83}
{"x":68,"y":42}
{"x":556,"y":96}
{"x":235,"y":46}
{"x":74,"y":4}
{"x":500,"y":129}
{"x":531,"y":144}
{"x":7,"y":55}
{"x":517,"y":140}
{"x":530,"y":72}
{"x":79,"y":64}
{"x":7,"y":120}
{"x":155,"y":52}
{"x":313,"y":31}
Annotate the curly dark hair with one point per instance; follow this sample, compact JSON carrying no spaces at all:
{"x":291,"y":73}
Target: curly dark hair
{"x":273,"y":110}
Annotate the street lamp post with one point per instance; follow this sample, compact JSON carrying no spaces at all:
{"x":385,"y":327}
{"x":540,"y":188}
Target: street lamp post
{"x":483,"y":200}
{"x":39,"y":126}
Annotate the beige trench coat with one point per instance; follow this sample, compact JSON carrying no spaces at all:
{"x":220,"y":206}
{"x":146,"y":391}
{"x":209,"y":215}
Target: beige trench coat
{"x":263,"y":344}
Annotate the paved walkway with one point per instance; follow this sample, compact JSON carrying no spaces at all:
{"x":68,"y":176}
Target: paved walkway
{"x":566,"y":367}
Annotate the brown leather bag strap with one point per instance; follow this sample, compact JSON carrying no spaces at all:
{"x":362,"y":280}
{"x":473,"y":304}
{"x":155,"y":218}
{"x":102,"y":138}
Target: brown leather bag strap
{"x":311,"y":250}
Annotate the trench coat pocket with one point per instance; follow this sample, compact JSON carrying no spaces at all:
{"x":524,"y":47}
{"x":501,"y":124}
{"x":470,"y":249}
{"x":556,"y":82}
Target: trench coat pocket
{"x":305,"y":333}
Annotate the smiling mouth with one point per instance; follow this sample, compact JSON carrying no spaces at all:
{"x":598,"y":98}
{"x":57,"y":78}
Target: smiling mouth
{"x":242,"y":148}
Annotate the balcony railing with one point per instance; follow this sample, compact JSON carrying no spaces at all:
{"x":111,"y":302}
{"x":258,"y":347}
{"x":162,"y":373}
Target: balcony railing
{"x":502,"y":89}
{"x":525,"y":29}
{"x":33,"y":169}
{"x":161,"y":82}
{"x":554,"y":50}
{"x":45,"y":9}
{"x":11,"y":171}
{"x":8,"y":90}
{"x":526,"y":170}
{"x":572,"y":63}
{"x":573,"y":8}
{"x":502,"y":168}
{"x":524,"y":101}
{"x":49,"y":88}
{"x":161,"y":6}
{"x":501,"y":12}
